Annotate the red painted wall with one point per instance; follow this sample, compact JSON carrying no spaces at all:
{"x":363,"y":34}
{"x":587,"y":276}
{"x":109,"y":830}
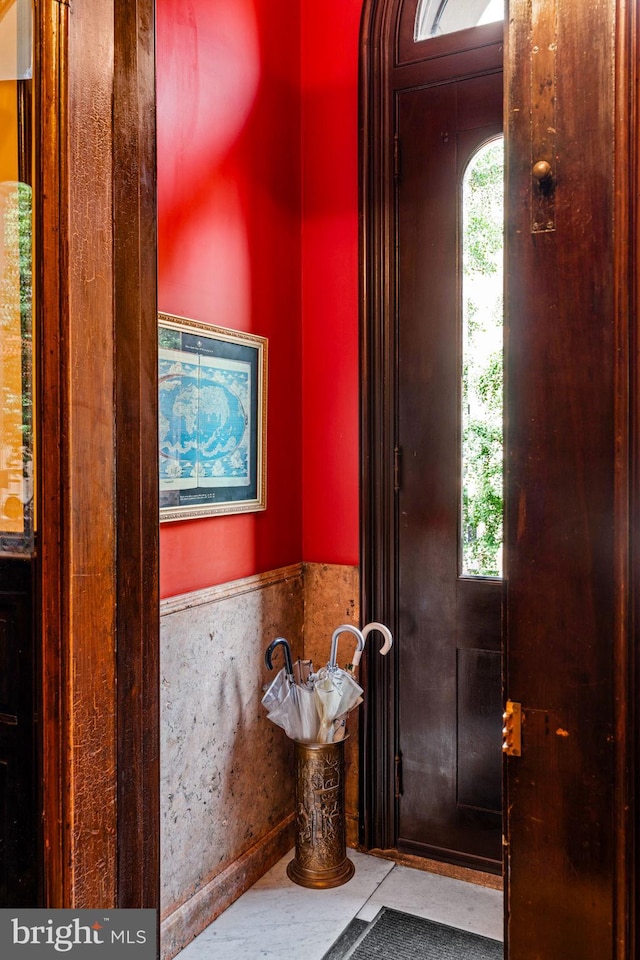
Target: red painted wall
{"x":229,"y":244}
{"x":330,"y":457}
{"x":258,"y":214}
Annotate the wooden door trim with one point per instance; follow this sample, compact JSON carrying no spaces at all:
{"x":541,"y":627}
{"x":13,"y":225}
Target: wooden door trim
{"x":50,"y":200}
{"x":97,"y":394}
{"x":377,"y":420}
{"x":136,"y":363}
{"x":626,"y":270}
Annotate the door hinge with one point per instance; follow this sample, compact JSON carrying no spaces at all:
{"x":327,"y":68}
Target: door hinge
{"x":398,"y":776}
{"x":397,"y":453}
{"x":512,"y":729}
{"x":396,"y":157}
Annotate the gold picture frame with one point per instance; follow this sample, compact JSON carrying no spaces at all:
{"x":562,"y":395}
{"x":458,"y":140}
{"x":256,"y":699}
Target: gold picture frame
{"x":212,"y":412}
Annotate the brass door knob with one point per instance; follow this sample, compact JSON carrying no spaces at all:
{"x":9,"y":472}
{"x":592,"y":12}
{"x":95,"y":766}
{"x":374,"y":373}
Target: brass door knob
{"x":542,"y":171}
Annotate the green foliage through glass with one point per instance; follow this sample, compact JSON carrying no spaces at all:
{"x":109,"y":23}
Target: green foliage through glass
{"x":482,"y":362}
{"x":16,"y":394}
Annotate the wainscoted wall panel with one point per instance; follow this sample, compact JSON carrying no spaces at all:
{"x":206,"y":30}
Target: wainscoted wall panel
{"x":331,"y":598}
{"x":226,"y":771}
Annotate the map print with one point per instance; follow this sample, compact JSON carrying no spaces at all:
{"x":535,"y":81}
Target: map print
{"x":204,"y":421}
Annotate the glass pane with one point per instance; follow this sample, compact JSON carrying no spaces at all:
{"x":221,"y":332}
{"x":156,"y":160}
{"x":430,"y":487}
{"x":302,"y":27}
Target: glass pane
{"x":482,"y":362}
{"x":435,"y":17}
{"x":16,"y":292}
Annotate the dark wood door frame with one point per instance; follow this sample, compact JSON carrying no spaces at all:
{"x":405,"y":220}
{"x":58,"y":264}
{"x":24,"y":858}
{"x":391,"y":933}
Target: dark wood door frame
{"x":386,"y":44}
{"x":377,"y":421}
{"x":98,"y":515}
{"x":382,"y":42}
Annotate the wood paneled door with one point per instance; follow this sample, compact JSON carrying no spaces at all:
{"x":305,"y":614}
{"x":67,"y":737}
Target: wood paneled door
{"x":570,"y":361}
{"x":571,"y":429}
{"x":449,"y":621}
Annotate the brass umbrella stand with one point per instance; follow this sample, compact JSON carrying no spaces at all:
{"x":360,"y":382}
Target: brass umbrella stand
{"x":312,"y":711}
{"x":321,"y":848}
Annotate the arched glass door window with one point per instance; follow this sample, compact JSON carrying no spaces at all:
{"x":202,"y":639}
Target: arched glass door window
{"x":482,"y":387}
{"x":436,"y":17}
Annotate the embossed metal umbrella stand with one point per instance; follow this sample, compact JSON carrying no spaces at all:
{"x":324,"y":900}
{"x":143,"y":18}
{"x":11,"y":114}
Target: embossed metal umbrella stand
{"x":320,"y":859}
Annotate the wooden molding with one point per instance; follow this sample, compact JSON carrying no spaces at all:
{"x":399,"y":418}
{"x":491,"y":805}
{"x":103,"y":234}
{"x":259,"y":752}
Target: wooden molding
{"x":136,"y":417}
{"x":377,"y":426}
{"x":186,"y":921}
{"x":98,"y":522}
{"x":627,"y":476}
{"x":51,"y":257}
{"x":234,"y":588}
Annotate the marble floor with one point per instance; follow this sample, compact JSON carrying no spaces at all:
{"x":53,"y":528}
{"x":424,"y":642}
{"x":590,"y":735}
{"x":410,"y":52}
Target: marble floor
{"x":278,"y":920}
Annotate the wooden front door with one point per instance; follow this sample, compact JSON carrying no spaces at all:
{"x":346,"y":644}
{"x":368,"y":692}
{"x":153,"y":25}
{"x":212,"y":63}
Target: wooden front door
{"x":571,"y":433}
{"x":449,"y":803}
{"x":571,"y":440}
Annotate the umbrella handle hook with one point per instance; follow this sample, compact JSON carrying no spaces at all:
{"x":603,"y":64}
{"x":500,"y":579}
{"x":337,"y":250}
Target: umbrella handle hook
{"x":345,"y":628}
{"x":288,"y":661}
{"x":386,"y":646}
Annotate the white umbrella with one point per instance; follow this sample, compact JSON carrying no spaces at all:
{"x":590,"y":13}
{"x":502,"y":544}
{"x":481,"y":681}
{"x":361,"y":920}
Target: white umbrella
{"x":289,"y":705}
{"x":312,"y":707}
{"x":384,"y":649}
{"x":339,"y":725}
{"x":302,"y":672}
{"x":306,"y":723}
{"x":277,"y":699}
{"x":275,"y":691}
{"x":336,"y":691}
{"x":297,"y":714}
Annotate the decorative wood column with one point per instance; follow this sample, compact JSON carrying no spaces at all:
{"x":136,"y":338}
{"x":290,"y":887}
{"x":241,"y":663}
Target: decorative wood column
{"x":98,"y":530}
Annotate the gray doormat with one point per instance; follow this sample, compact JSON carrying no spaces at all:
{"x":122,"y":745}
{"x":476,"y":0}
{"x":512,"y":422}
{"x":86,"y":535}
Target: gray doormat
{"x":393,"y":935}
{"x":340,"y":947}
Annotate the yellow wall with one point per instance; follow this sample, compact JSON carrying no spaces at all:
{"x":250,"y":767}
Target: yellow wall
{"x":11,"y":513}
{"x":8,"y":130}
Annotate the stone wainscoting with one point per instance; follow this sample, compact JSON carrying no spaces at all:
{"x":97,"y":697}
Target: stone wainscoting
{"x":331,"y":598}
{"x":226,"y":771}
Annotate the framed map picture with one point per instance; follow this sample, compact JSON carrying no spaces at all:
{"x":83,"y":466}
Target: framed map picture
{"x":212,"y":419}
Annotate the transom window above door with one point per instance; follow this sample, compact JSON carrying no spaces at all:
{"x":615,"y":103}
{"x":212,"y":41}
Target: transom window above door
{"x":437,"y":17}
